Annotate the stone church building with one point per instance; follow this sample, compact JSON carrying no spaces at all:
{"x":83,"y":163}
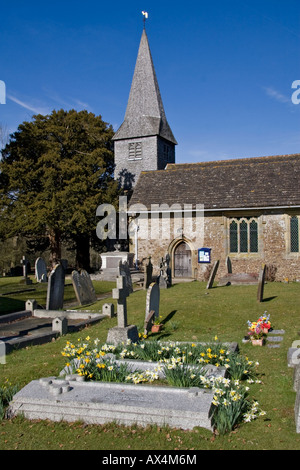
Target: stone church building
{"x":250,"y":207}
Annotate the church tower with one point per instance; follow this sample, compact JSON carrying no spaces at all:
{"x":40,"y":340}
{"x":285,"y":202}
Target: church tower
{"x":144,"y":141}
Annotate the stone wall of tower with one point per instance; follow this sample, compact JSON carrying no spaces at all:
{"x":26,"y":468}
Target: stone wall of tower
{"x":165,"y":153}
{"x":154,"y":156}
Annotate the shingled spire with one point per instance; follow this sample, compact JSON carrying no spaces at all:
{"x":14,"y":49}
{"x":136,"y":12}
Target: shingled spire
{"x":144,"y":141}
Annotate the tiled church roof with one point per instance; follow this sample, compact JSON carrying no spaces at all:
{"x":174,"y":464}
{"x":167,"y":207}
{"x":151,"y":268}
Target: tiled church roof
{"x":228,"y":184}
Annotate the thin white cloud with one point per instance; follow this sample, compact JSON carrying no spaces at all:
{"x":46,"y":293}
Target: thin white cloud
{"x":67,"y":102}
{"x":276,"y":95}
{"x":82,"y":104}
{"x":28,"y":106}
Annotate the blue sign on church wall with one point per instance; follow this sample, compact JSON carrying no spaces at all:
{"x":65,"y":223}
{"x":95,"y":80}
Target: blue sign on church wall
{"x":204,"y":255}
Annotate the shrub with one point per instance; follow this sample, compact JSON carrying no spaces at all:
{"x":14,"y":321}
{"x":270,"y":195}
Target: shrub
{"x":7,"y":391}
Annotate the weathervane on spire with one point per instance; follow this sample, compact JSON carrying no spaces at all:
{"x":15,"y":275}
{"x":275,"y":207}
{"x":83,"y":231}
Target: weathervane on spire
{"x":145,"y":14}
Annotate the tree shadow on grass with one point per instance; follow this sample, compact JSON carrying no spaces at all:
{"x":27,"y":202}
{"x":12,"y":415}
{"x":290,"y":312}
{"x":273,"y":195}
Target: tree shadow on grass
{"x":9,"y":305}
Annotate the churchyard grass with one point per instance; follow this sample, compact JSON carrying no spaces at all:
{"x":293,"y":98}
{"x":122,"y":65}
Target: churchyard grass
{"x":13,"y":295}
{"x":198,"y":316}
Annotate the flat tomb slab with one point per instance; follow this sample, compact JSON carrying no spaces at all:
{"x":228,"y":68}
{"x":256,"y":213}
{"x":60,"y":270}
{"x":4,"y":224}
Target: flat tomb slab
{"x":239,"y":279}
{"x":100,"y":403}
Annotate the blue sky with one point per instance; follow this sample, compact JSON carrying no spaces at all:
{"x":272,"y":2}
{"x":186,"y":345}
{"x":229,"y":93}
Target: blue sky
{"x":225,"y":68}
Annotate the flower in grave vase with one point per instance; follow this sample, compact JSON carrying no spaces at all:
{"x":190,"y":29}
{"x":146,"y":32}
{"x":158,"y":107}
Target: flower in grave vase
{"x":265,"y":323}
{"x":255,"y":331}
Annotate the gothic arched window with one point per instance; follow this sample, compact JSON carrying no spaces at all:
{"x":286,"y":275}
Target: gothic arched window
{"x":243,"y":235}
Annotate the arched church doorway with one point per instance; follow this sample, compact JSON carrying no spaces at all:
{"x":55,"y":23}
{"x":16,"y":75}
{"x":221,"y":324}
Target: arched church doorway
{"x":182,"y":260}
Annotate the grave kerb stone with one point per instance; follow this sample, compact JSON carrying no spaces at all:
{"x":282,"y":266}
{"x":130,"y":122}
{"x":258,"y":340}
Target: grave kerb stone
{"x":108,"y":309}
{"x":60,"y":325}
{"x":2,"y":352}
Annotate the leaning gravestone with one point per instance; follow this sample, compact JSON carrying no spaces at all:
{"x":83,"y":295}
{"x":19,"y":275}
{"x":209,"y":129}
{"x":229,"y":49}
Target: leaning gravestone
{"x":212,"y":275}
{"x":261,"y":283}
{"x":152,"y":306}
{"x":56,"y":287}
{"x":152,"y":299}
{"x":40,"y":270}
{"x":83,"y":287}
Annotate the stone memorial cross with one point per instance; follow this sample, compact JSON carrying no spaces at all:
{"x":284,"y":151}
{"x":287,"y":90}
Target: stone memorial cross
{"x":148,"y":271}
{"x":120,"y":293}
{"x":24,"y":263}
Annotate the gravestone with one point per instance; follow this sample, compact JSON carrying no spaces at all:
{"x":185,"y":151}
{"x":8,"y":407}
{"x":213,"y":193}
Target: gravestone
{"x":123,"y":331}
{"x":152,"y":299}
{"x":261,"y":283}
{"x":83,"y":287}
{"x":56,"y":287}
{"x":73,"y":400}
{"x":228,"y":265}
{"x":212,"y":275}
{"x":41,"y":270}
{"x":124,"y":270}
{"x":148,"y":271}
